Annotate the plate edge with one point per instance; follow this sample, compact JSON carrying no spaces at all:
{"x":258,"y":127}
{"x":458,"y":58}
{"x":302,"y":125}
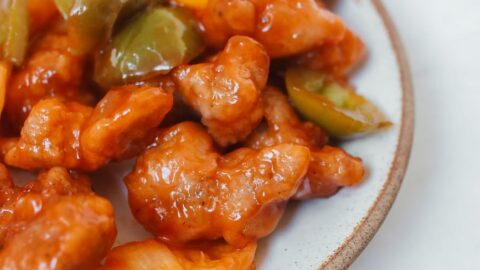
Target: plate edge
{"x":364,"y":231}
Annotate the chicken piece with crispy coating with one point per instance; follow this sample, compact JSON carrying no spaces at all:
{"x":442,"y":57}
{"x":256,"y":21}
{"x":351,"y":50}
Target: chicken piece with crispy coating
{"x":122,"y":123}
{"x":57,"y":214}
{"x":330,"y":167}
{"x":284,"y":27}
{"x":226,"y":90}
{"x":151,"y":254}
{"x":50,"y":71}
{"x":182,"y":189}
{"x":337,"y":58}
{"x":75,"y":136}
{"x":50,"y":136}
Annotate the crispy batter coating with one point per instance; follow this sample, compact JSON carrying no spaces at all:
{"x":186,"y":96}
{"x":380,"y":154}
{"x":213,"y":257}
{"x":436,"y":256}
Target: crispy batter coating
{"x":50,"y":136}
{"x":50,"y":71}
{"x":181,"y":189}
{"x":283,"y":124}
{"x":6,"y":144}
{"x":284,"y":27}
{"x":335,"y":57}
{"x":151,"y":254}
{"x":68,"y":134}
{"x":122,"y":122}
{"x":54,"y":222}
{"x":226,"y":91}
{"x":330,"y":167}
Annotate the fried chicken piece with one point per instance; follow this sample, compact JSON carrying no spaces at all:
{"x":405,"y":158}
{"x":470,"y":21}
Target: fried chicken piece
{"x":182,"y":189}
{"x":68,"y":226}
{"x":330,"y":167}
{"x":6,"y":190}
{"x":122,"y":123}
{"x":6,"y":144}
{"x":50,"y":136}
{"x":283,"y":124}
{"x":50,"y":71}
{"x":225,"y":19}
{"x":335,"y":57}
{"x":284,"y":27}
{"x":226,"y":90}
{"x":75,"y":136}
{"x":151,"y":254}
{"x":21,"y":205}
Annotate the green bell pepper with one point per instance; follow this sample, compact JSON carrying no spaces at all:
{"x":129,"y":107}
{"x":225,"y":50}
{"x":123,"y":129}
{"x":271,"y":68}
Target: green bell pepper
{"x":152,"y":44}
{"x":336,"y":108}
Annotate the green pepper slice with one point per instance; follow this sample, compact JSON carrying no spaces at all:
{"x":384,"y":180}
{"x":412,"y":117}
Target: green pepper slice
{"x":13,"y":30}
{"x":152,"y":44}
{"x":90,"y":22}
{"x":341,"y":112}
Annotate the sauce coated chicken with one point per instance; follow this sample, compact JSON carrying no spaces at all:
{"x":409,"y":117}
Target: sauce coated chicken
{"x":182,"y":86}
{"x":226,"y":90}
{"x":182,"y":189}
{"x":75,"y":136}
{"x":50,"y":71}
{"x":151,"y":254}
{"x":266,"y":21}
{"x":54,"y":222}
{"x":330,"y":167}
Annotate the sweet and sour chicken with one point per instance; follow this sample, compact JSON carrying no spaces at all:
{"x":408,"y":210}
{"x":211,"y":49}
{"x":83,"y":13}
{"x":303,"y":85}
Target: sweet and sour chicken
{"x":54,"y":222}
{"x":227,"y":107}
{"x":182,"y":189}
{"x":76,"y":136}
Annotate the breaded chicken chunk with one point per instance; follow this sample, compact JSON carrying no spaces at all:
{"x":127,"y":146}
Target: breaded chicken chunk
{"x":226,"y":90}
{"x":330,"y":167}
{"x":182,"y":189}
{"x":55,"y":222}
{"x":284,"y":27}
{"x":151,"y":254}
{"x":75,"y":136}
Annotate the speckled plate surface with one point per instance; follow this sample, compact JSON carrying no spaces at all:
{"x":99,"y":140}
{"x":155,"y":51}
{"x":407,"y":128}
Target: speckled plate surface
{"x":327,"y":233}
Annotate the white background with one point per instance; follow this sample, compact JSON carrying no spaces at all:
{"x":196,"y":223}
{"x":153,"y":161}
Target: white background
{"x":435,"y":222}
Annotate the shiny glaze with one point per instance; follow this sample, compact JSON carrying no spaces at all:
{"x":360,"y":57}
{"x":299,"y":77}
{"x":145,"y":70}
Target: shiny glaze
{"x":151,"y":254}
{"x":42,"y":14}
{"x":57,"y":219}
{"x":227,"y":89}
{"x":182,"y":189}
{"x":330,"y":167}
{"x":337,"y":58}
{"x":75,"y":136}
{"x":266,"y":21}
{"x":50,"y":71}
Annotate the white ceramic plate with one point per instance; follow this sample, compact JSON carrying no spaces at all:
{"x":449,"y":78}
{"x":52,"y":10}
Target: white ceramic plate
{"x":327,"y":233}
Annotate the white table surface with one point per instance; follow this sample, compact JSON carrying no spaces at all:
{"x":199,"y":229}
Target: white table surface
{"x":435,"y":221}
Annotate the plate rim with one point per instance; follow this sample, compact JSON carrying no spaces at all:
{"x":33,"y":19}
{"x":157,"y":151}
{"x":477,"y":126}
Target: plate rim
{"x":367,"y":227}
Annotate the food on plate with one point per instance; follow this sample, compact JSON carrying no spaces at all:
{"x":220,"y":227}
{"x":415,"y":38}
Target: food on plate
{"x":182,"y":189}
{"x":152,"y":254}
{"x":229,"y":108}
{"x":226,"y":90}
{"x":265,"y":21}
{"x":330,"y":167}
{"x":152,"y":44}
{"x":75,"y":136}
{"x":55,"y":221}
{"x":51,"y":70}
{"x":335,"y":107}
